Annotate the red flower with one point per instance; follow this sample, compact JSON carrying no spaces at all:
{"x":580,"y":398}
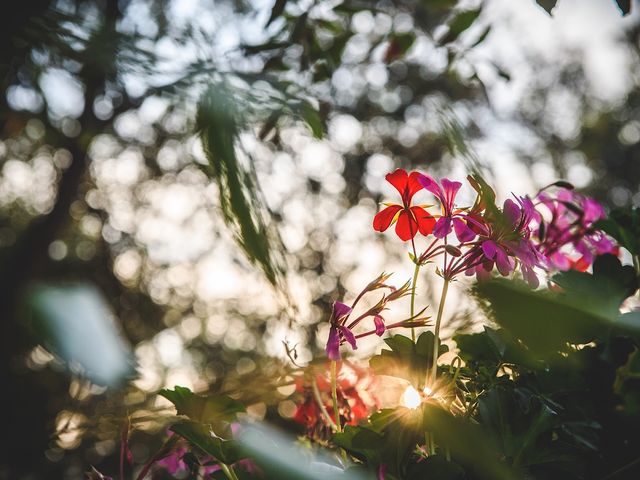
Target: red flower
{"x":409,"y":220}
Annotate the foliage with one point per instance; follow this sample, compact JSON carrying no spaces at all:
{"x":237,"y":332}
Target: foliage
{"x":501,"y":409}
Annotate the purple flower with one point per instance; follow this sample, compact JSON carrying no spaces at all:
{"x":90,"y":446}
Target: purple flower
{"x":566,"y":236}
{"x":507,"y":243}
{"x":451,"y":219}
{"x":339,"y":332}
{"x":342,"y":326}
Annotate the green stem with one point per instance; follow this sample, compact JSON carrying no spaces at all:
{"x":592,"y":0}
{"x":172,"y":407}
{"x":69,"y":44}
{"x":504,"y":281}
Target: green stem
{"x":323,"y":410}
{"x":228,"y":471}
{"x":436,"y":334}
{"x":413,"y":296}
{"x":334,"y":395}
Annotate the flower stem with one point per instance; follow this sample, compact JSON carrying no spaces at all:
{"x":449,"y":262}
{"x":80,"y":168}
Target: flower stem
{"x":323,"y":410}
{"x":334,"y":395}
{"x":436,"y":333}
{"x":228,"y":471}
{"x":413,"y":296}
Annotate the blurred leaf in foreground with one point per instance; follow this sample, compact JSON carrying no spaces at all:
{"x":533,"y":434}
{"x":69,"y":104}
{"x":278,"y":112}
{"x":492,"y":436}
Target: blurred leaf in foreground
{"x":76,"y":323}
{"x":219,"y":123}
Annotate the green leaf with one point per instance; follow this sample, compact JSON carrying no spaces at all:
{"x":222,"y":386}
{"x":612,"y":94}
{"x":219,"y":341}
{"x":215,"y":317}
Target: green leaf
{"x":623,"y":224}
{"x":276,"y":11}
{"x":76,"y":323}
{"x":482,"y":37}
{"x":219,"y":123}
{"x":468,"y":444}
{"x":312,"y":117}
{"x":406,"y":359}
{"x":203,"y":438}
{"x":436,"y":467}
{"x":624,"y":6}
{"x":202,"y":409}
{"x":459,"y":24}
{"x":547,"y":321}
{"x":399,"y":45}
{"x":362,"y":442}
{"x":548,"y":5}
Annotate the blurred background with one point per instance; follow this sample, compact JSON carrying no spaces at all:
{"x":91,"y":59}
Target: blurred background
{"x":139,"y":250}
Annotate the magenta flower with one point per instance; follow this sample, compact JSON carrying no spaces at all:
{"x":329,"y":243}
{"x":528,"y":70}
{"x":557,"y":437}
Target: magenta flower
{"x":342,"y":326}
{"x":566,"y":236}
{"x":507,"y":243}
{"x":339,"y":332}
{"x":451,"y":219}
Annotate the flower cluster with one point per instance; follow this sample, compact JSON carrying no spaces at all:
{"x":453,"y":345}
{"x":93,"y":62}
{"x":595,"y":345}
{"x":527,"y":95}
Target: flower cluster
{"x":550,"y":232}
{"x":566,"y":233}
{"x":343,"y":323}
{"x":356,"y":400}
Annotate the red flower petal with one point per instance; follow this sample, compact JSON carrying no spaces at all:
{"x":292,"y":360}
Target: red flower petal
{"x":407,"y":227}
{"x":425,"y":221}
{"x":414,"y":184}
{"x":398,"y":179}
{"x":383,"y":219}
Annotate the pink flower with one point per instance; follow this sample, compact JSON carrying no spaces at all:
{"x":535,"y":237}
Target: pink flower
{"x":507,"y":243}
{"x":410,"y":219}
{"x":339,"y":332}
{"x":566,"y":235}
{"x":450,"y":219}
{"x":342,"y":326}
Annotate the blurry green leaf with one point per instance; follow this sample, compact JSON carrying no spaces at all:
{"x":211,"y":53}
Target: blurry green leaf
{"x":605,"y":289}
{"x":459,"y":24}
{"x":624,"y":6}
{"x":202,"y":409}
{"x":401,"y":429}
{"x":547,"y":321}
{"x":263,"y":47}
{"x":493,"y":348}
{"x":623,"y":224}
{"x":469,"y":445}
{"x":219,"y":124}
{"x":361,"y":442}
{"x":277,"y":10}
{"x":399,"y":45}
{"x":77,"y":324}
{"x":502,"y":73}
{"x":436,"y":467}
{"x":312,"y":117}
{"x":548,"y":5}
{"x":202,"y":437}
{"x":282,"y":458}
{"x":482,"y":37}
{"x":406,"y":359}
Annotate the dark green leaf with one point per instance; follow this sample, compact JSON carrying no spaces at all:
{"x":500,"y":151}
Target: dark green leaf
{"x":312,"y":117}
{"x":406,"y":359}
{"x":482,"y":37}
{"x":436,"y":467}
{"x":399,"y":45}
{"x":277,"y":10}
{"x":624,"y":6}
{"x":544,"y":321}
{"x":623,"y":224}
{"x":459,"y":24}
{"x":361,"y":442}
{"x":219,"y":123}
{"x":468,"y":444}
{"x":548,"y":5}
{"x":203,"y":438}
{"x":202,"y":409}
